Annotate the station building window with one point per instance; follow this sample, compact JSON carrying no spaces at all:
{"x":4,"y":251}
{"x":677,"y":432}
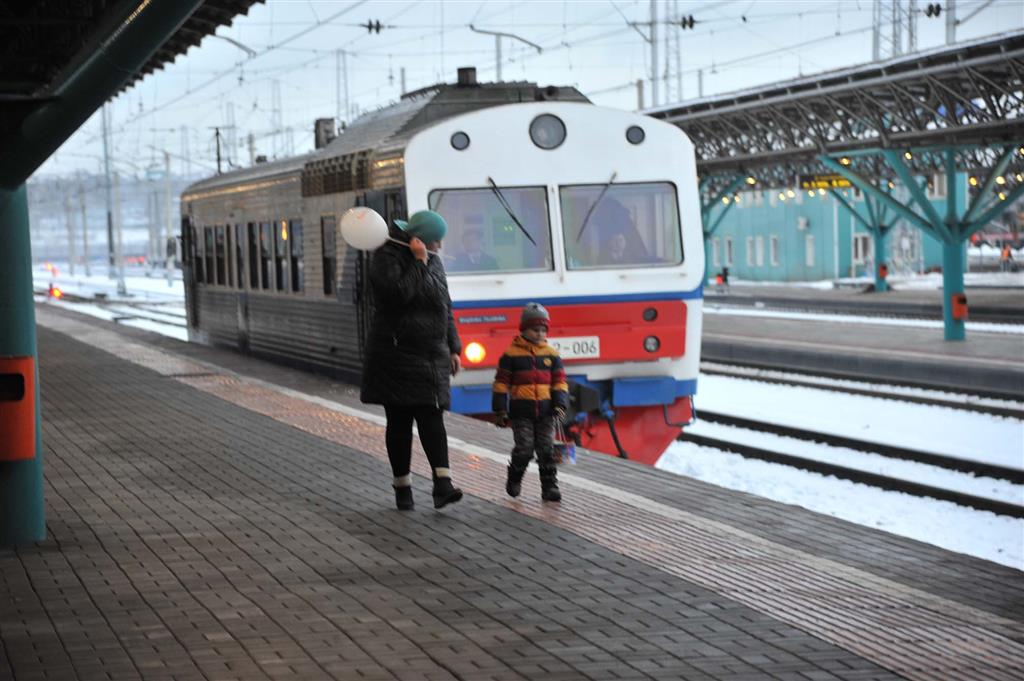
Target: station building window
{"x":750,"y":251}
{"x":328,"y":224}
{"x":220,"y":256}
{"x":210,"y":253}
{"x":281,"y":255}
{"x":809,"y":250}
{"x":728,"y":252}
{"x":861,"y":248}
{"x":759,"y":250}
{"x":937,"y":186}
{"x":266,"y":253}
{"x":716,"y":259}
{"x":240,"y":256}
{"x":773,"y":250}
{"x":254,"y":256}
{"x":296,"y":267}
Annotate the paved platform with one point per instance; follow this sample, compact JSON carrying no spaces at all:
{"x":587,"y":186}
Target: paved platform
{"x":986,"y":362}
{"x":215,"y":517}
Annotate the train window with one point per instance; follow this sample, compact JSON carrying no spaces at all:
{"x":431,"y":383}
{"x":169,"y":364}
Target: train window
{"x":254,"y":257}
{"x":621,"y":225}
{"x":295,"y":245}
{"x":229,"y":267}
{"x":281,"y":254}
{"x":502,"y":229}
{"x":211,"y":277}
{"x":266,"y":246}
{"x":328,"y":225}
{"x":240,"y":256}
{"x":220,"y":254}
{"x":197,"y":255}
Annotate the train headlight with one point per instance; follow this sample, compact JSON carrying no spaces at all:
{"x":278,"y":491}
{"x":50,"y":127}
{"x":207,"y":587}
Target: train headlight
{"x":635,"y":134}
{"x":547,"y":131}
{"x":475,"y":353}
{"x":460,"y":141}
{"x":650,"y":314}
{"x":651,"y":344}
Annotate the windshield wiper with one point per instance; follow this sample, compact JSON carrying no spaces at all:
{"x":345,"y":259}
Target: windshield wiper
{"x":508,"y":209}
{"x":593,"y":206}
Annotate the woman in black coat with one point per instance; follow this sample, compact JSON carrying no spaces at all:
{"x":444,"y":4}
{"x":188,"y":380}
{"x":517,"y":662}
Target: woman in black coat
{"x":413,"y":351}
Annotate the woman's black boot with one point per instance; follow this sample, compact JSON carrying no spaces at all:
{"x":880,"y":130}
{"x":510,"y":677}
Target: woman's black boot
{"x":549,"y":484}
{"x":403,"y":498}
{"x":445,"y":492}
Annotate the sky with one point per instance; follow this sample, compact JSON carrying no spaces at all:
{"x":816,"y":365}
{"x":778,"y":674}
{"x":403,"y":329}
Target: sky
{"x":277,"y":69}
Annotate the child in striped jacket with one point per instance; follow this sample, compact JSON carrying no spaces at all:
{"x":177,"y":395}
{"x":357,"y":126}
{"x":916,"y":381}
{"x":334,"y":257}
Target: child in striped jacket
{"x":530,"y":392}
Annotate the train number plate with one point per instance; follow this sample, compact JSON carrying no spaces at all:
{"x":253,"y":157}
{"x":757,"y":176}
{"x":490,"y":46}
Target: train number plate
{"x":577,"y":347}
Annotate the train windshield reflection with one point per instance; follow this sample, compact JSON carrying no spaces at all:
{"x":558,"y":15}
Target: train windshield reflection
{"x":484,"y":237}
{"x":632,"y":224}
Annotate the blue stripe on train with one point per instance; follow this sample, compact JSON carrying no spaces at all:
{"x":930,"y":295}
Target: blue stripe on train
{"x":631,"y":391}
{"x":695,"y":294}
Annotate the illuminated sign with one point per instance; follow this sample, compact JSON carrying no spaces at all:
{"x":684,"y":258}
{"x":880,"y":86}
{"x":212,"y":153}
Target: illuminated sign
{"x":832,"y":181}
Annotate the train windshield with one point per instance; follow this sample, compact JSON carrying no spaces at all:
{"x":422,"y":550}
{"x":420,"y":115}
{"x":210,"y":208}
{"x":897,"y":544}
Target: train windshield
{"x":631,"y":225}
{"x":494,"y":229}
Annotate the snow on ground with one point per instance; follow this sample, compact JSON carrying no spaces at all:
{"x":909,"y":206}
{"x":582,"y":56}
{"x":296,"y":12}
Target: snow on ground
{"x":740,"y":311}
{"x":137,"y":284}
{"x":940,"y":430}
{"x":964,"y":530}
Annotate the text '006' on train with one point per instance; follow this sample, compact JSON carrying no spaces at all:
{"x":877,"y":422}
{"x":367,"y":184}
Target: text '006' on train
{"x":592,"y":212}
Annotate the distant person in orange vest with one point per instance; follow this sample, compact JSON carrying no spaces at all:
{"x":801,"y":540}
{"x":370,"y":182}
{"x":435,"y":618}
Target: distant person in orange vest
{"x":1006,"y":259}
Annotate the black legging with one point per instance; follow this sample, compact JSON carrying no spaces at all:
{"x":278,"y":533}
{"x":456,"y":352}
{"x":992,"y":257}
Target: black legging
{"x":398,"y":436}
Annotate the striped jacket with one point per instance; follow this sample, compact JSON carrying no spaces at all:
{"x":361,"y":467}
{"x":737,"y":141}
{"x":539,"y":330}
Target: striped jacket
{"x":530,"y":381}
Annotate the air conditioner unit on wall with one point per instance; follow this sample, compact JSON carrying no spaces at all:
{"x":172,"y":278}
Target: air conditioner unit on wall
{"x":801,"y":223}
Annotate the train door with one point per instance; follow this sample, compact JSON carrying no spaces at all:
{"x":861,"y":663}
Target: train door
{"x":391,"y":206}
{"x":188,"y":270}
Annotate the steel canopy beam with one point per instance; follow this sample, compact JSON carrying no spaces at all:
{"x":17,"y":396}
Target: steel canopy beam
{"x":99,"y":76}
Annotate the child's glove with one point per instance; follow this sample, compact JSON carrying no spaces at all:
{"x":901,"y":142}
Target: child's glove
{"x":501,"y":419}
{"x":560,"y":414}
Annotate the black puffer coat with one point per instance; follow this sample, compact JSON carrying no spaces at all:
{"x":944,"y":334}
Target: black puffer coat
{"x":412,"y":336}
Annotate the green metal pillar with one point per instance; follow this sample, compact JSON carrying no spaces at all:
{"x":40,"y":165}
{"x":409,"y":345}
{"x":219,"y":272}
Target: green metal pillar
{"x":22,"y":519}
{"x":879,"y":234}
{"x":952,"y":285}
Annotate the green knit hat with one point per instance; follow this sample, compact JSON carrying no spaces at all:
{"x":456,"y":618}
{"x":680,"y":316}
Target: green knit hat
{"x":425,"y":225}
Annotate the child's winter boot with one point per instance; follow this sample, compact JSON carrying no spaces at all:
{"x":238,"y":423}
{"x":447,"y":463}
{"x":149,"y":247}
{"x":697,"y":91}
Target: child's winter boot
{"x":549,"y":484}
{"x":514,"y":483}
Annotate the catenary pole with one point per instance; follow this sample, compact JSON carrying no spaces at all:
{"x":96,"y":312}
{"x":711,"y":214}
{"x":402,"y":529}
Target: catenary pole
{"x":105,"y":113}
{"x":85,"y":226}
{"x":654,"y":53}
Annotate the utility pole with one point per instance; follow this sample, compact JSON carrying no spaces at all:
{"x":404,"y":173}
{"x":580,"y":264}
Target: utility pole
{"x":950,"y":22}
{"x":230,"y":156}
{"x":679,"y":56}
{"x":85,"y":226}
{"x":654,"y":53}
{"x":168,"y":218}
{"x":216,"y":135}
{"x":251,"y":142}
{"x":700,"y":83}
{"x":401,"y":71}
{"x":186,"y":160}
{"x":639,"y":94}
{"x":110,"y":202}
{"x":69,"y":221}
{"x":497,"y":57}
{"x":118,"y":244}
{"x":911,"y":26}
{"x":341,"y":86}
{"x":151,"y":214}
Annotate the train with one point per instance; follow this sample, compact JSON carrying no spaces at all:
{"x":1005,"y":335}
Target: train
{"x":592,"y":212}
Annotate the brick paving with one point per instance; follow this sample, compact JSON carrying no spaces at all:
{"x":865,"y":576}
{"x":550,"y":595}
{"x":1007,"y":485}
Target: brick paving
{"x":206,"y":525}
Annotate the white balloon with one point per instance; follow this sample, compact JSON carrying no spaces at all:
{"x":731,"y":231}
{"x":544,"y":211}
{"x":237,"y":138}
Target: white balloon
{"x":363,"y":228}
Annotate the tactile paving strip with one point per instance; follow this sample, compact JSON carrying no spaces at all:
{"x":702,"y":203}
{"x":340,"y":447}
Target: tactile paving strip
{"x":913,"y":633}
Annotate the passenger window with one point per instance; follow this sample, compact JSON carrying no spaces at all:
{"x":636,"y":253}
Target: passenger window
{"x":240,"y":256}
{"x":198,"y":252}
{"x":210,"y":275}
{"x":329,"y":253}
{"x":281,"y":255}
{"x":621,"y":225}
{"x":221,"y":255}
{"x":295,"y":251}
{"x":266,"y":246}
{"x":254,"y":258}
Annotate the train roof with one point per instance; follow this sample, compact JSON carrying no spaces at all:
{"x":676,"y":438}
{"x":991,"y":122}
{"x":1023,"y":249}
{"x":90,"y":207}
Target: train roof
{"x":343,"y":164}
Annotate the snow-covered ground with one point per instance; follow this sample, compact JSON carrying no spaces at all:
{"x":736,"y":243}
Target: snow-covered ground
{"x":941,"y":430}
{"x":930,"y":281}
{"x":936,"y":429}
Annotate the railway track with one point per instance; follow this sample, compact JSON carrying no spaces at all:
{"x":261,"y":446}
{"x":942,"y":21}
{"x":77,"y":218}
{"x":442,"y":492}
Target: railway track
{"x":856,"y":475}
{"x":995,"y":405}
{"x":994,"y":314}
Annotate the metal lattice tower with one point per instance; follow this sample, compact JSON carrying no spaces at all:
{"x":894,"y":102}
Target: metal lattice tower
{"x":895,"y":28}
